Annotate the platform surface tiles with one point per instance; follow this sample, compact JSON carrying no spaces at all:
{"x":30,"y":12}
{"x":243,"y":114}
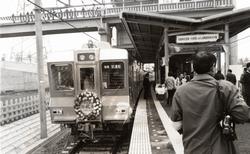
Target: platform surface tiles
{"x":154,"y":134}
{"x":140,"y":141}
{"x":21,"y":136}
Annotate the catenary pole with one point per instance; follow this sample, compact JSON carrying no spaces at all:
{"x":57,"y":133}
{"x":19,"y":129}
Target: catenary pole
{"x":40,"y":70}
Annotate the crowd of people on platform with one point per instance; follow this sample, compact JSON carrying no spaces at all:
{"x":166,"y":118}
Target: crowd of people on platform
{"x":201,"y":100}
{"x":244,"y":82}
{"x":172,"y":83}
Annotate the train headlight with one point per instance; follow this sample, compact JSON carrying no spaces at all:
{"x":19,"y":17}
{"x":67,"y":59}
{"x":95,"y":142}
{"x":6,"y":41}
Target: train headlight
{"x":57,"y":111}
{"x":91,"y":57}
{"x":81,"y":57}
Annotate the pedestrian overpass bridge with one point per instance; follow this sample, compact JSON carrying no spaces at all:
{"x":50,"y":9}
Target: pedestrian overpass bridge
{"x":79,"y":19}
{"x":142,"y":29}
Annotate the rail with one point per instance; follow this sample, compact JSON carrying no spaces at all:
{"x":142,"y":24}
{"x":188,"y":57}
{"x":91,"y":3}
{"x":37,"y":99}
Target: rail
{"x":12,"y":109}
{"x":97,"y":11}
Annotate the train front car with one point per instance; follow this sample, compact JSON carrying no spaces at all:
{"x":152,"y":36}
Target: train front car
{"x":90,"y":90}
{"x":74,"y":88}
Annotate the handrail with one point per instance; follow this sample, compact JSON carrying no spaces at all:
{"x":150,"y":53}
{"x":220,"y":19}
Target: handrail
{"x":97,"y":12}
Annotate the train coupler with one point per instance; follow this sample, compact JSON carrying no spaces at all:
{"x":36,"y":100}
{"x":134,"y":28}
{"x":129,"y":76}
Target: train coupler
{"x":87,"y":132}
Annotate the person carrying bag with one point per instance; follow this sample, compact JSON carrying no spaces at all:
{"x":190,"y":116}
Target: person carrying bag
{"x":200,"y":109}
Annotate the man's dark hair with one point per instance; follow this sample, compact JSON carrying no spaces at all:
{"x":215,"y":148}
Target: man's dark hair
{"x":170,"y":74}
{"x":203,"y":61}
{"x":229,"y":70}
{"x":248,"y":64}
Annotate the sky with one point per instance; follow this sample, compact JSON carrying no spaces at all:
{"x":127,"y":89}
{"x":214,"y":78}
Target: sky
{"x":59,"y":42}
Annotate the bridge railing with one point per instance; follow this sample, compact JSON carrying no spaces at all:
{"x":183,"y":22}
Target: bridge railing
{"x":94,"y":12}
{"x":18,"y":107}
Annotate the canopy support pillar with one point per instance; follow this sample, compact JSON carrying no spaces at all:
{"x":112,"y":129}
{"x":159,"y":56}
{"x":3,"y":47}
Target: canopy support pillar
{"x":105,"y":33}
{"x":166,"y":52}
{"x":218,"y":60}
{"x":227,"y":49}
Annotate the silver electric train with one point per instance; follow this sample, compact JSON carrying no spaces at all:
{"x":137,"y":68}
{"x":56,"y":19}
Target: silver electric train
{"x":93,"y":89}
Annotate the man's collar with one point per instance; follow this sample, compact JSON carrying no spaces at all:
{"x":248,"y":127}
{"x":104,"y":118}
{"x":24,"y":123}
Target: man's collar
{"x":203,"y":77}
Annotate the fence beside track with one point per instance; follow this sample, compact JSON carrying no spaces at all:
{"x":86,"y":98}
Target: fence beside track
{"x":16,"y":107}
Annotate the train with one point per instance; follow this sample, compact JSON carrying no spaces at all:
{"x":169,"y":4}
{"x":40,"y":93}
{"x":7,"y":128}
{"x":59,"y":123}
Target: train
{"x":94,"y":88}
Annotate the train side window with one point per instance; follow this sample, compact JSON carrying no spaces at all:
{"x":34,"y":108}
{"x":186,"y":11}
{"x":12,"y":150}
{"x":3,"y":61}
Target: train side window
{"x":113,"y":75}
{"x":62,"y":76}
{"x":87,"y":78}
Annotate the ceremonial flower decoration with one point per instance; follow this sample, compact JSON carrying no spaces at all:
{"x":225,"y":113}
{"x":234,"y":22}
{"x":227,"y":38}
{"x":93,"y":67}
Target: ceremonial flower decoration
{"x":87,"y":106}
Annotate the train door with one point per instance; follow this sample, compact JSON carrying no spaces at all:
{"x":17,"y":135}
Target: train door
{"x":86,"y":78}
{"x":87,"y":67}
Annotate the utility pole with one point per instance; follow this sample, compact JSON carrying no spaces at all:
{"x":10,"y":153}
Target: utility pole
{"x":40,"y":69}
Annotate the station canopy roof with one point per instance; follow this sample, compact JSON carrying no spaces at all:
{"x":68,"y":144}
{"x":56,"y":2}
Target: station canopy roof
{"x":146,"y":30}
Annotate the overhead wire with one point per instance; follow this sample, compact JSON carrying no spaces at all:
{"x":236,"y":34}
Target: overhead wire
{"x":77,"y":29}
{"x":97,"y":1}
{"x":235,"y":41}
{"x":240,"y":39}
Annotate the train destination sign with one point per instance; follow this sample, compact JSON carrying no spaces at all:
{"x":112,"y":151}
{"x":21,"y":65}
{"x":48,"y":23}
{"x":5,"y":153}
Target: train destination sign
{"x":112,"y":65}
{"x":197,"y":38}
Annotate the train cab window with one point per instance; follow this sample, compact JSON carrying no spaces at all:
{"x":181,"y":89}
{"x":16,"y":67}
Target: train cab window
{"x":62,"y":77}
{"x":87,"y":78}
{"x":113,"y":75}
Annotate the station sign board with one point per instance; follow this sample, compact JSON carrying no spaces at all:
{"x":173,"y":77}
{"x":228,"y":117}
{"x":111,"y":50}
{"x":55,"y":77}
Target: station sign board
{"x":191,"y":49}
{"x":197,"y":38}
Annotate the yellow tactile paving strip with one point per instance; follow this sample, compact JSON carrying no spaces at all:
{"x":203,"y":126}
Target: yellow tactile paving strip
{"x":140,"y":140}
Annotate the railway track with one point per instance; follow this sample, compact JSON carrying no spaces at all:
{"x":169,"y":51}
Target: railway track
{"x":105,"y":143}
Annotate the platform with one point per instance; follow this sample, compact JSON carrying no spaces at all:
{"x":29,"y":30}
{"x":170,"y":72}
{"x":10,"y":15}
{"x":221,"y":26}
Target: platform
{"x":23,"y":135}
{"x":153,"y":131}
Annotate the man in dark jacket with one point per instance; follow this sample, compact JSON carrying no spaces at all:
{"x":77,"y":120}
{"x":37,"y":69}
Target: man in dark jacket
{"x":219,"y":75}
{"x":146,"y":86}
{"x":231,"y":77}
{"x":197,"y":105}
{"x":245,"y":81}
